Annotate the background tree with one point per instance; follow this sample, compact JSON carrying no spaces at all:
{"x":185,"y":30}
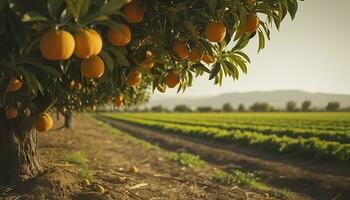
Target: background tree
{"x":305,"y":106}
{"x":112,"y":48}
{"x":333,"y":106}
{"x":158,"y":109}
{"x":241,"y":108}
{"x":182,"y":108}
{"x":204,"y":109}
{"x":227,"y":107}
{"x":291,"y":106}
{"x":260,"y":107}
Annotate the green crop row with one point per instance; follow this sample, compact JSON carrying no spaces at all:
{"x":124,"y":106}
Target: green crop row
{"x":305,"y":147}
{"x":278,"y":120}
{"x":342,"y":137}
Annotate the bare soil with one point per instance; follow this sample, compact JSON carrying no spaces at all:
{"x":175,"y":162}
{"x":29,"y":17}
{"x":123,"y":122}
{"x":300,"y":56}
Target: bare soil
{"x":110,"y":160}
{"x":307,"y":179}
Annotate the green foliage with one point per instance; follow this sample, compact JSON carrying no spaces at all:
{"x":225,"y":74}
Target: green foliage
{"x":85,"y":173}
{"x":182,"y":108}
{"x":22,"y":23}
{"x":260,"y":107}
{"x":227,"y":107}
{"x":291,"y":106}
{"x":303,"y":143}
{"x":76,"y":158}
{"x":333,"y":106}
{"x":236,"y":176}
{"x":187,"y":160}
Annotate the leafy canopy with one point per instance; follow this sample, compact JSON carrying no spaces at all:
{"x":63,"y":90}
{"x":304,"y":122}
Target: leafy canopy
{"x":23,"y":24}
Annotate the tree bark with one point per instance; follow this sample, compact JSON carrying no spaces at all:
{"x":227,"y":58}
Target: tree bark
{"x":67,"y":119}
{"x":18,"y":155}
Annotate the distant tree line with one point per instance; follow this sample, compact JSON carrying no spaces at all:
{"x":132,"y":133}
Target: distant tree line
{"x":291,"y":106}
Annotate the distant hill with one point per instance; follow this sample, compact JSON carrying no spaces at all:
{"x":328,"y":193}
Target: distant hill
{"x":278,"y":99}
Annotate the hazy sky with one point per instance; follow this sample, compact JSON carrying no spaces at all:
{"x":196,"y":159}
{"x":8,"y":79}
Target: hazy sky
{"x":311,"y":53}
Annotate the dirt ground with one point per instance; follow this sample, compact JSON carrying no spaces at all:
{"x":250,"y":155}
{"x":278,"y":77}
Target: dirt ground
{"x":304,"y":179}
{"x":122,"y":166}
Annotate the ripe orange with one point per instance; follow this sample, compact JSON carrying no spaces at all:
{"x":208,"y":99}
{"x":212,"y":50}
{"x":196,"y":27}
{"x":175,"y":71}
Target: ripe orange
{"x":11,"y":113}
{"x":147,"y":62}
{"x":207,"y":59}
{"x":57,"y":45}
{"x":180,"y":49}
{"x":120,"y":36}
{"x":118,"y":101}
{"x":215,"y":31}
{"x":14,"y":84}
{"x":252,"y":23}
{"x":87,"y":43}
{"x":92,"y":67}
{"x":134,"y":11}
{"x":134,"y":78}
{"x":196,"y":53}
{"x":172,"y":79}
{"x":43,"y":123}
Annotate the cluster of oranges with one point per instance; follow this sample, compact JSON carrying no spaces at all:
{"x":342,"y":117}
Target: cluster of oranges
{"x":86,"y":44}
{"x":42,"y":124}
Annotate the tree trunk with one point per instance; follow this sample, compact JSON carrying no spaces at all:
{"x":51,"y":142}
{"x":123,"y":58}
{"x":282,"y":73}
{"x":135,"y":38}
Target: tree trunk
{"x":18,"y":155}
{"x":67,"y":119}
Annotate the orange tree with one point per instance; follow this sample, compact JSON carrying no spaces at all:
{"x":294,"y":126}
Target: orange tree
{"x":78,"y":54}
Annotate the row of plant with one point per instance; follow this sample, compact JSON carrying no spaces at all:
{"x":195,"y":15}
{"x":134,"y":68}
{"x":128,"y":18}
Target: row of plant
{"x":338,"y":122}
{"x":339,"y":136}
{"x":305,"y":147}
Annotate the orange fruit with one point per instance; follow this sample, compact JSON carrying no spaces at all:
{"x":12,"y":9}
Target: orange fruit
{"x":14,"y":84}
{"x":134,"y":11}
{"x":134,"y":78}
{"x":118,"y":101}
{"x":196,"y":53}
{"x":147,"y":62}
{"x":172,"y":79}
{"x":92,"y":67}
{"x":87,"y":43}
{"x":180,"y":49}
{"x":11,"y":113}
{"x":252,"y":23}
{"x":120,"y":36}
{"x":215,"y":31}
{"x":57,"y":45}
{"x":43,"y":123}
{"x":207,"y":59}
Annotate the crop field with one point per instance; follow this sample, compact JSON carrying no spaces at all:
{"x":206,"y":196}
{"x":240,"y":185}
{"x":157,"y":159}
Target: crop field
{"x":318,"y":136}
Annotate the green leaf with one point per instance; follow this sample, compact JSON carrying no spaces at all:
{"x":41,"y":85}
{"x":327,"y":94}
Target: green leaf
{"x":107,"y":60}
{"x":111,"y":6}
{"x":55,"y":8}
{"x":31,"y":82}
{"x":215,"y":71}
{"x":82,"y":7}
{"x":261,"y":40}
{"x":120,"y":57}
{"x":200,"y":67}
{"x":48,"y":69}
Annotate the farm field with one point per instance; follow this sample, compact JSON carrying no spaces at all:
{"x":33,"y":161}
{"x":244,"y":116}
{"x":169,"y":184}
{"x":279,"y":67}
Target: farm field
{"x":318,"y":136}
